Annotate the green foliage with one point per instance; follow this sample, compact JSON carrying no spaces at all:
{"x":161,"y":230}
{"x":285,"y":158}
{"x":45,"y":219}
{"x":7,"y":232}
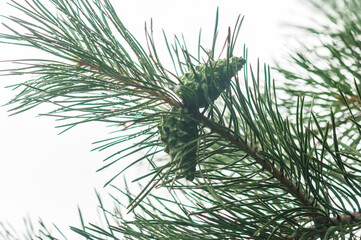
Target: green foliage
{"x":257,"y":174}
{"x":327,"y":71}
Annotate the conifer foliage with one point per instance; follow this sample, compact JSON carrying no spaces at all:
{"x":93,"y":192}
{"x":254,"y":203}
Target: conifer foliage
{"x":238,"y":161}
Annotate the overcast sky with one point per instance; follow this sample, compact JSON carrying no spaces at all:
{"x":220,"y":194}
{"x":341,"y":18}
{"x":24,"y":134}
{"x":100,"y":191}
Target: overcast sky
{"x":43,"y":174}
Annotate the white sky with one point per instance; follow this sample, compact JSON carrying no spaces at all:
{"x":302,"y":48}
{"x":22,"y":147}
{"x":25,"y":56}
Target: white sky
{"x":43,"y":174}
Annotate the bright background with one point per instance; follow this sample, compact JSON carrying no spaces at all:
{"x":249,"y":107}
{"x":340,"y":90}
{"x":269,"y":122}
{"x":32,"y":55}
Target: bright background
{"x":43,"y":174}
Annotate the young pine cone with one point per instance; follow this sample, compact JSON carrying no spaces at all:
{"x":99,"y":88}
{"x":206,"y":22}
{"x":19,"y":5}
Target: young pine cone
{"x":178,"y":133}
{"x":204,"y":85}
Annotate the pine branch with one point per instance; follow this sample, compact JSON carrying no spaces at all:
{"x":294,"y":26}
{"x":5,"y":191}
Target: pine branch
{"x":276,"y":173}
{"x":256,"y":173}
{"x":129,"y":81}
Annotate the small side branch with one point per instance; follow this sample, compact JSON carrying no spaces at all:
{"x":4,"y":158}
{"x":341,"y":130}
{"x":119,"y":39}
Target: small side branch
{"x":345,"y":219}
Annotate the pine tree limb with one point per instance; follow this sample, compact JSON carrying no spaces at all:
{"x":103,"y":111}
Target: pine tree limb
{"x":237,"y":141}
{"x":127,"y":79}
{"x":276,"y":173}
